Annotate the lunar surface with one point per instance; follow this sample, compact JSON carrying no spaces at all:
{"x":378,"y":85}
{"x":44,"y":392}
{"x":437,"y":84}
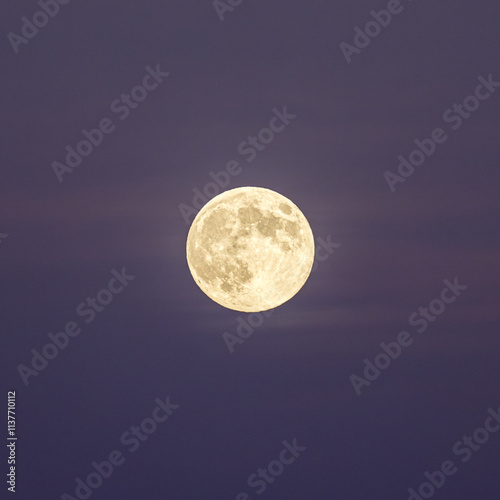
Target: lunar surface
{"x":250,"y":249}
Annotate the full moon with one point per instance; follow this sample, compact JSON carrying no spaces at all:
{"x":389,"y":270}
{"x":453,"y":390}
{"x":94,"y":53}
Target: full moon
{"x":250,"y":249}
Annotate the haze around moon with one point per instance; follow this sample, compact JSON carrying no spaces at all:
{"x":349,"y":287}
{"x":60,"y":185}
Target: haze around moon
{"x":250,"y":249}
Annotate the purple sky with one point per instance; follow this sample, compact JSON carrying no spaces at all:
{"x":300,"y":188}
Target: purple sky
{"x":161,"y":336}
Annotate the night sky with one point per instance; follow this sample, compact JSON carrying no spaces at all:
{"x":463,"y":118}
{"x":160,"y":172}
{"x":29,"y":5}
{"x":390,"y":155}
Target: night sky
{"x":389,"y":146}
